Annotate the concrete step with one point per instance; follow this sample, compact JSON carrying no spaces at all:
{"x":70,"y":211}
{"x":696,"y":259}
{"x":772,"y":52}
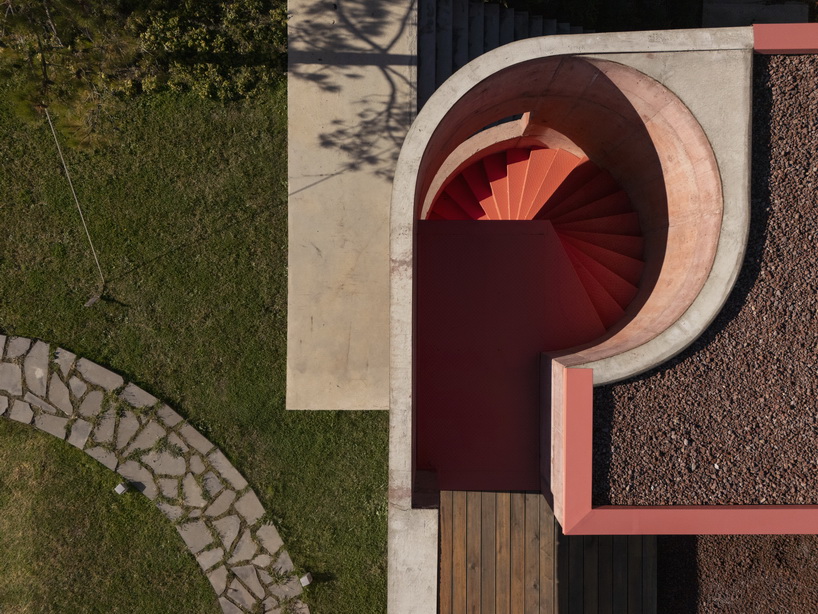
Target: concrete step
{"x":491,"y":27}
{"x":443,"y":42}
{"x":521,"y":25}
{"x":506,"y":26}
{"x":427,"y":10}
{"x":476,"y":16}
{"x":460,"y":33}
{"x":535,"y":25}
{"x":453,"y":32}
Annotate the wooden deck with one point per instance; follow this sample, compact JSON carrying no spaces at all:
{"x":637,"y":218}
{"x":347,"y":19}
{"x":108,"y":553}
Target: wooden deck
{"x":503,"y":553}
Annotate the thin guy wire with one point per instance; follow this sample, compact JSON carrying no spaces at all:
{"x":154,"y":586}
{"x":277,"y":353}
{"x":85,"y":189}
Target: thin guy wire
{"x":76,"y":200}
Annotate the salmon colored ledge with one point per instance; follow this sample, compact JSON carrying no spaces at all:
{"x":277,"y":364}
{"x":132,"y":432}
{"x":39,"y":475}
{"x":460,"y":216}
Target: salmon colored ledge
{"x":788,"y":38}
{"x":573,"y":441}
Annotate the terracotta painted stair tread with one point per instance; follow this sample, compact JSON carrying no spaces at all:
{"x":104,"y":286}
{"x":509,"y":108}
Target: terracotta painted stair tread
{"x":621,"y":289}
{"x":628,"y":245}
{"x":629,"y":269}
{"x":595,"y":263}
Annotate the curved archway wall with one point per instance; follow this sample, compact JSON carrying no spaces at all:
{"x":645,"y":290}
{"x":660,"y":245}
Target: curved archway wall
{"x":190,"y":480}
{"x":710,"y":72}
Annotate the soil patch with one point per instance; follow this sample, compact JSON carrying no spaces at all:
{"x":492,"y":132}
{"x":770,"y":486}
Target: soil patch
{"x":737,"y":574}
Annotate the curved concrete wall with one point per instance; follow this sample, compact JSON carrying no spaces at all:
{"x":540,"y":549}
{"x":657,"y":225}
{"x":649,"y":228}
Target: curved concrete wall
{"x":628,"y":124}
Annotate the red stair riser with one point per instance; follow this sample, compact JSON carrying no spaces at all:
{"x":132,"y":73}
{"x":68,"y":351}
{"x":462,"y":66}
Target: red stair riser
{"x":629,"y":269}
{"x":517,"y":160}
{"x":613,"y":204}
{"x":610,"y":312}
{"x":598,"y":187}
{"x":448,"y":209}
{"x":579,"y":176}
{"x":624,"y":223}
{"x":622,"y":291}
{"x":460,"y":192}
{"x":478,"y":183}
{"x":497,"y":174}
{"x":624,"y":244}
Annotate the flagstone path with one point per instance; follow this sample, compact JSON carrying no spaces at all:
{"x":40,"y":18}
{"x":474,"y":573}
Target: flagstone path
{"x":219,"y":517}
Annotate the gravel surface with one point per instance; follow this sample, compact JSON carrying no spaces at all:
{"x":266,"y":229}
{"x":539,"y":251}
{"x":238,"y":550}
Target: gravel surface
{"x":734,"y":419}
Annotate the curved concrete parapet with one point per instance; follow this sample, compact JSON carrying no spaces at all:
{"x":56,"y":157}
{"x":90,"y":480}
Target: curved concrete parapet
{"x":646,"y":137}
{"x":219,"y":517}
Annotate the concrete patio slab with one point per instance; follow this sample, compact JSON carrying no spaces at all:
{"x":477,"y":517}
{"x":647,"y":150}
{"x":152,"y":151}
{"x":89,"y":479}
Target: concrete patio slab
{"x":351,"y":84}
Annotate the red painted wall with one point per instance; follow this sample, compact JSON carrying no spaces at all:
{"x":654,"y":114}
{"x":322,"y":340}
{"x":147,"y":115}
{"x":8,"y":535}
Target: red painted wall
{"x":491,"y":297}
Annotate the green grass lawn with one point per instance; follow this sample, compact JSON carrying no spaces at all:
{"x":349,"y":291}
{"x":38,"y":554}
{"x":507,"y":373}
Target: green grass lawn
{"x":186,"y":201}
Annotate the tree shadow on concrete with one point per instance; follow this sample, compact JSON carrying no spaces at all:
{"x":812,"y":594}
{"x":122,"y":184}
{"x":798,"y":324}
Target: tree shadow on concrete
{"x":334,"y":45}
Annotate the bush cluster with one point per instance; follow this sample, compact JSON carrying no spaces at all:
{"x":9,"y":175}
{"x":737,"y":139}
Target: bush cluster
{"x":72,"y":53}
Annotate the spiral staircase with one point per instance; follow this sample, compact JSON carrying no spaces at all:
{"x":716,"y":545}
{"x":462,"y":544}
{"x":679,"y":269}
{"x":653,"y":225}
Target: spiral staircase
{"x":595,"y":228}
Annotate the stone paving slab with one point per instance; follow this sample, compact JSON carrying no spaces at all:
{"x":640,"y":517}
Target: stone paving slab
{"x":269,"y":538}
{"x":126,"y":428}
{"x":91,"y":404}
{"x":104,"y":432}
{"x":221,"y":504}
{"x":32,"y":399}
{"x":208,"y":558}
{"x":58,"y":395}
{"x":147,"y":438}
{"x":99,"y":376}
{"x":137,"y":397}
{"x":36,"y":368}
{"x":17,"y":347}
{"x":80,"y":431}
{"x":159,"y":454}
{"x":77,"y":386}
{"x":53,"y":425}
{"x":21,"y":412}
{"x":194,"y":438}
{"x":227,"y":470}
{"x":104,"y":456}
{"x":65,"y":360}
{"x":11,"y":379}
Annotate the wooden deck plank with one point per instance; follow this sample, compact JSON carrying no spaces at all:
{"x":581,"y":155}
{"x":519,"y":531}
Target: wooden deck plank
{"x":547,"y":558}
{"x":459,"y":552}
{"x":649,"y":575}
{"x":576,"y":573}
{"x":619,"y":602}
{"x":474,"y":535}
{"x":562,"y":571}
{"x":503,"y":559}
{"x":590,"y":578}
{"x":488,"y":578}
{"x":532,"y":553}
{"x":445,"y":593}
{"x":634,"y":574}
{"x":517,"y":553}
{"x":605,"y":574}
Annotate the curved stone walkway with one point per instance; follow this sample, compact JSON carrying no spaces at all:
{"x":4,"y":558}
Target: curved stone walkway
{"x":190,"y":480}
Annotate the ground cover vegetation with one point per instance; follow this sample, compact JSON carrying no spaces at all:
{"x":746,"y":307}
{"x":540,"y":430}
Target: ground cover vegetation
{"x":184,"y":189}
{"x":74,"y":55}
